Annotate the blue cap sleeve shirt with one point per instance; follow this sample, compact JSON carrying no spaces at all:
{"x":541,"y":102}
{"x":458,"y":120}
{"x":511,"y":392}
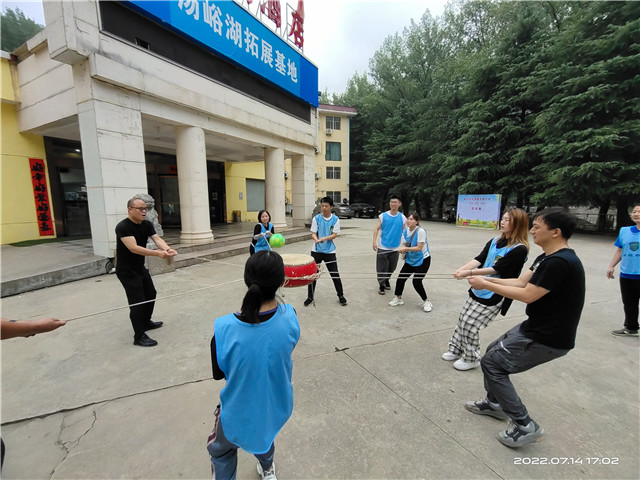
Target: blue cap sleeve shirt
{"x":412,"y":239}
{"x":494,"y":255}
{"x":629,"y":241}
{"x":391,"y":230}
{"x":257,"y":399}
{"x":323,"y":227}
{"x":262,"y":242}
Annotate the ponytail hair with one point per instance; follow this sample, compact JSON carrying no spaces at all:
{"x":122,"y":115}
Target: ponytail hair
{"x":263,"y":275}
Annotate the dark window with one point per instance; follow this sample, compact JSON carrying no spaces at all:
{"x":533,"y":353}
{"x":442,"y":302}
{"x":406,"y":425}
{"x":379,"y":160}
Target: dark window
{"x":333,"y":151}
{"x":333,"y":173}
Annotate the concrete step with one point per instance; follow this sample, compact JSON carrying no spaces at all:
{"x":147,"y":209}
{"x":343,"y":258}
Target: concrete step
{"x":187,"y":259}
{"x":234,"y":240}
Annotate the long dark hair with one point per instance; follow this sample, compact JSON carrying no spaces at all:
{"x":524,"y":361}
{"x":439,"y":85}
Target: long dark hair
{"x":260,"y":216}
{"x":263,"y":275}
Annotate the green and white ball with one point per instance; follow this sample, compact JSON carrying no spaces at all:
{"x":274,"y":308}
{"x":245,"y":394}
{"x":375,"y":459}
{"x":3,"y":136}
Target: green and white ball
{"x":276,"y":240}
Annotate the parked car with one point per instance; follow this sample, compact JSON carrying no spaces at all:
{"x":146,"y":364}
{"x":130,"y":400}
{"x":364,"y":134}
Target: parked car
{"x":341,"y":210}
{"x":363,"y":210}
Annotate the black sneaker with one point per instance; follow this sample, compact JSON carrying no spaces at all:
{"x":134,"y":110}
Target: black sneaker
{"x":343,"y":301}
{"x":516,"y":435}
{"x":483,"y":407}
{"x":381,"y":290}
{"x":624,"y":332}
{"x":145,"y":341}
{"x":308,"y":302}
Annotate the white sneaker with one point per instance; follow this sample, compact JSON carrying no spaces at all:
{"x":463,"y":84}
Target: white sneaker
{"x":427,"y":307}
{"x":450,"y":357}
{"x":396,"y":301}
{"x":462,"y":365}
{"x":268,"y":474}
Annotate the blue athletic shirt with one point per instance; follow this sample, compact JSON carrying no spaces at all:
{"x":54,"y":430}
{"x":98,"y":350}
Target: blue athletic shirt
{"x":629,"y":241}
{"x":323,"y":227}
{"x":262,"y":242}
{"x":493,"y":256}
{"x":415,"y":259}
{"x":257,"y":399}
{"x":391,"y":230}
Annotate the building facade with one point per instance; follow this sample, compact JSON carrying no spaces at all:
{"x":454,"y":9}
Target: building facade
{"x":130,"y":101}
{"x":331,"y":171}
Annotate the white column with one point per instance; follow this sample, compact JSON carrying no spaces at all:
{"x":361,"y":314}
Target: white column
{"x":302,"y":188}
{"x":274,"y":185}
{"x":192,"y":186}
{"x":114,"y":166}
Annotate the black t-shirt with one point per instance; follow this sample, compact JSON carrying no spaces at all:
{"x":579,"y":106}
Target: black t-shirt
{"x":125,"y":258}
{"x":553,"y":319}
{"x":508,"y":266}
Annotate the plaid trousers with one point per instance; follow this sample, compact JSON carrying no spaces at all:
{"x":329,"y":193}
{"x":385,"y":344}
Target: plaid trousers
{"x":474,"y":316}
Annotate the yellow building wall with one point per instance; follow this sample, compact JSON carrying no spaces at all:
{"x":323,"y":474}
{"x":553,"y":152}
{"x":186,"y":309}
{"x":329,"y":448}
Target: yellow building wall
{"x":236,"y":175}
{"x":18,"y":221}
{"x":323,"y":184}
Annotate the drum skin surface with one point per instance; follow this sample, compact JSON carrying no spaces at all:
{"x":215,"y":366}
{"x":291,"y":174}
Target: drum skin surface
{"x":299,"y":270}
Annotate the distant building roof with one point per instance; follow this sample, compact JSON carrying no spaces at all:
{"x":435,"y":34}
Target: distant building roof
{"x":337,"y":109}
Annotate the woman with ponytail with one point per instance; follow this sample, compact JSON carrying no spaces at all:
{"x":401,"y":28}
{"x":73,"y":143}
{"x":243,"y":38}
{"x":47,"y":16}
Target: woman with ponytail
{"x":252,"y":350}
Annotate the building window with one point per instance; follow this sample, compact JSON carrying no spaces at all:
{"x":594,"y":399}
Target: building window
{"x":333,"y":123}
{"x":333,"y":173}
{"x":333,"y":151}
{"x":335,"y":196}
{"x":255,"y":195}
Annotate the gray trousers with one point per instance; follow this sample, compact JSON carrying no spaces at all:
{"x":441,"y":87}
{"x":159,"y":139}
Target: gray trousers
{"x":512,"y":353}
{"x":386,"y":263}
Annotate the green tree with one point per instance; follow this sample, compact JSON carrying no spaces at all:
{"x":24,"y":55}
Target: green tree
{"x":591,"y":121}
{"x":16,"y":29}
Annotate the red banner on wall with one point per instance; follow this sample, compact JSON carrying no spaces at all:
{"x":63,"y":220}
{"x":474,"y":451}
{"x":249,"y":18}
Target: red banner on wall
{"x":41,"y":195}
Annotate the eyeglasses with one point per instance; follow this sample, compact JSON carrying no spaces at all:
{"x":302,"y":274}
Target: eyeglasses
{"x":142,"y":209}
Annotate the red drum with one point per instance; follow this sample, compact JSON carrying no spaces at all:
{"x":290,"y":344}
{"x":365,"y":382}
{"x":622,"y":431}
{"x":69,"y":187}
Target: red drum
{"x":299,"y":270}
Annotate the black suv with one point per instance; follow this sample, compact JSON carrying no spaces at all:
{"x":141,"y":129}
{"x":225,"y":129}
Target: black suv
{"x":363,"y":210}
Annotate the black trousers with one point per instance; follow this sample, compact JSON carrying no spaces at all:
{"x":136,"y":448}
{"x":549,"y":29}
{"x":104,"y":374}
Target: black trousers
{"x":139,"y":288}
{"x":418,"y":273}
{"x":630,"y":290}
{"x":332,"y":265}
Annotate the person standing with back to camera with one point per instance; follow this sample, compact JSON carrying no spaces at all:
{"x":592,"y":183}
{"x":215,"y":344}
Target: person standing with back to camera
{"x":261,"y":233}
{"x":628,"y":255}
{"x":502,"y":257}
{"x":252,"y":350}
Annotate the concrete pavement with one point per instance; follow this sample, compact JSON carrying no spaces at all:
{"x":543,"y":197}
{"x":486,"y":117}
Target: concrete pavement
{"x":373,"y":399}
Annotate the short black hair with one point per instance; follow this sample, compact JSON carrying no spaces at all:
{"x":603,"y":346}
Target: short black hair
{"x":394,"y":197}
{"x":558,"y":217}
{"x":328,"y":200}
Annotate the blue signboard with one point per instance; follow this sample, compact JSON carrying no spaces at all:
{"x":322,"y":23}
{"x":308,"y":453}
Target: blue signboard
{"x":230,"y":31}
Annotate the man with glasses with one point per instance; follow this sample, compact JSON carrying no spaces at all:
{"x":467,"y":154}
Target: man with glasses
{"x":132,"y":234}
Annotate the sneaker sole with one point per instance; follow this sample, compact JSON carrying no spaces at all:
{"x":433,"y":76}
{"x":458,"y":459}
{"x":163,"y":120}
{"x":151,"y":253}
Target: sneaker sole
{"x":449,"y":359}
{"x":489,"y":413}
{"x":464,"y":369}
{"x":631,"y":334}
{"x":533,"y":438}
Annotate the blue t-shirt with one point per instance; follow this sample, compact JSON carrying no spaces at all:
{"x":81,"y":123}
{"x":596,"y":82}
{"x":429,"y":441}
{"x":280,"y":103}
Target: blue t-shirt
{"x":263,"y":243}
{"x":323,"y":227}
{"x":495,"y":254}
{"x":257,"y":399}
{"x":419,"y":234}
{"x":391,"y":230}
{"x":629,"y":241}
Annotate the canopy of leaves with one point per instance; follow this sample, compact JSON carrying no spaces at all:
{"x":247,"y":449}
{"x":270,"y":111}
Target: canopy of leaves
{"x":534,"y":100}
{"x":16,"y":29}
